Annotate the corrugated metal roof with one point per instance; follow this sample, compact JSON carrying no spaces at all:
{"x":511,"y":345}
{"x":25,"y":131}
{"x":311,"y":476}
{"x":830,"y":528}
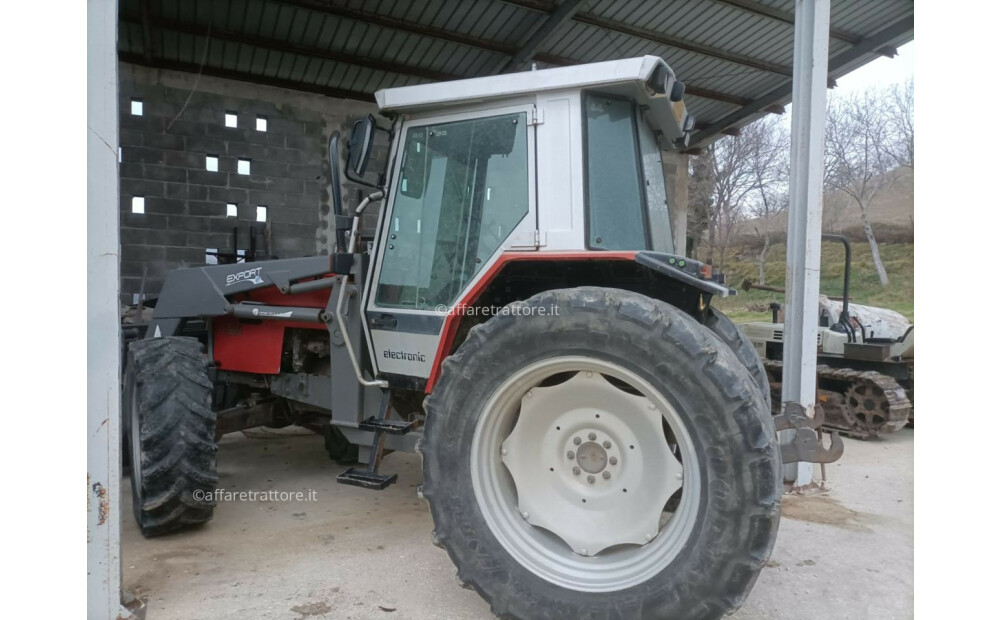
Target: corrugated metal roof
{"x":734,"y":55}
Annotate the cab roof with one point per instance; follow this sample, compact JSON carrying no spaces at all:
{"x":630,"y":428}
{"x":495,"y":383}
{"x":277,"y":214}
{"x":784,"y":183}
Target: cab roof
{"x":646,"y":79}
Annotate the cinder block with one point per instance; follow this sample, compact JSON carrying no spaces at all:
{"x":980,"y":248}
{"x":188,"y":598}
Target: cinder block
{"x":191,"y":256}
{"x":165,"y":206}
{"x":141,"y":187}
{"x":164,"y":173}
{"x":222,"y":195}
{"x":184,"y":159}
{"x":185,"y":191}
{"x":143,"y":220}
{"x":309,"y":172}
{"x":258,"y":197}
{"x":190,"y":223}
{"x":144,"y":252}
{"x":142,"y":236}
{"x":163,"y":141}
{"x":205,"y":146}
{"x":206,"y":209}
{"x":204,"y":177}
{"x":184,"y":128}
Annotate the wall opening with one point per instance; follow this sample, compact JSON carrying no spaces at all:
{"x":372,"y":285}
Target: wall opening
{"x":137,"y":107}
{"x":243,"y":166}
{"x":231,"y":209}
{"x":261,"y":213}
{"x":230,"y":119}
{"x":261,"y":123}
{"x":138,"y":204}
{"x":211,"y":163}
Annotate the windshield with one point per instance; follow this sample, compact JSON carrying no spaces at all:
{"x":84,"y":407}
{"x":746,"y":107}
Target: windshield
{"x":463,"y":188}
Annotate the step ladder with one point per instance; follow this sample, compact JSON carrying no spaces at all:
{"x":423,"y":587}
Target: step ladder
{"x":368,"y":477}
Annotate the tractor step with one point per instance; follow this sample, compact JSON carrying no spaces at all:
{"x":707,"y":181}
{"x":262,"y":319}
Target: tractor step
{"x":393,"y":427}
{"x":366,"y":479}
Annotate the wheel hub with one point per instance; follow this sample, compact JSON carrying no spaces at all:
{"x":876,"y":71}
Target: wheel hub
{"x":591,"y":464}
{"x":592,"y":458}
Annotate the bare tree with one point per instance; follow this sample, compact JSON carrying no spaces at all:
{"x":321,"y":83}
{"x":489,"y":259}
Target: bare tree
{"x":768,"y":150}
{"x":734,"y":181}
{"x":860,"y":155}
{"x":899,"y":109}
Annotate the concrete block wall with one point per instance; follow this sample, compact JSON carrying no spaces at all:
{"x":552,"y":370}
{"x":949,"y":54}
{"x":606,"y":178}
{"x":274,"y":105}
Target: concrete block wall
{"x":163,"y":160}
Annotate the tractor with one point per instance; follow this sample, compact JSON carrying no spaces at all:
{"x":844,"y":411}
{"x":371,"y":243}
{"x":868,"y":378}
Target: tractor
{"x":864,"y":354}
{"x":597,"y":439}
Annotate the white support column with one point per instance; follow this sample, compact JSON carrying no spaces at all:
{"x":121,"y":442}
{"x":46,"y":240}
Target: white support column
{"x":809,"y":80}
{"x":103,"y":444}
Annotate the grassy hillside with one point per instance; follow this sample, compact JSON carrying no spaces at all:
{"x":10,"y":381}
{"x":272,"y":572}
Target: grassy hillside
{"x":865,"y":288}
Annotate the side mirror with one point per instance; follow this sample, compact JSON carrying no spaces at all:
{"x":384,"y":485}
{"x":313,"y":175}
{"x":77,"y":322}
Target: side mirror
{"x":359,"y":149}
{"x":414,"y":172}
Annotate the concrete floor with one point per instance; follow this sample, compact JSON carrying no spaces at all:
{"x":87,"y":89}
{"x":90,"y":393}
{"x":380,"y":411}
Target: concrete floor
{"x":362,"y":554}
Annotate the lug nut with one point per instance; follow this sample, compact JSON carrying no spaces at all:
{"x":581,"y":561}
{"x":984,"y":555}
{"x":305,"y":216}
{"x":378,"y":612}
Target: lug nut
{"x":606,"y":475}
{"x":613,"y":460}
{"x":570,"y":455}
{"x":576,"y":471}
{"x":607,"y":445}
{"x":592,"y":436}
{"x":679,"y":476}
{"x":590,"y":479}
{"x":577,"y":441}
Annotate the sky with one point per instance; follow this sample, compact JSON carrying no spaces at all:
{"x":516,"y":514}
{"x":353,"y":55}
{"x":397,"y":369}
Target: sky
{"x":881,"y":72}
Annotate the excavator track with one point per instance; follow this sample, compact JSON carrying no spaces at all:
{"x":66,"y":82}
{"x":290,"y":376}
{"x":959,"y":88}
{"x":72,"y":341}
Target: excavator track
{"x":857,"y":403}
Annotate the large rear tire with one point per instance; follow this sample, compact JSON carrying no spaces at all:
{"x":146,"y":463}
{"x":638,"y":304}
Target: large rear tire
{"x":170,"y":427}
{"x":738,"y":342}
{"x":554,"y":436}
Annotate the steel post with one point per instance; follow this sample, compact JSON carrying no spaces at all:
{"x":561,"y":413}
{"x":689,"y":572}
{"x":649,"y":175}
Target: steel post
{"x":809,"y":81}
{"x":103,"y":332}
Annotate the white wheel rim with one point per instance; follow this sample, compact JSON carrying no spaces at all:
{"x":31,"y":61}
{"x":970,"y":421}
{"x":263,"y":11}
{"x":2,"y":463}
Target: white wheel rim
{"x":531,"y":493}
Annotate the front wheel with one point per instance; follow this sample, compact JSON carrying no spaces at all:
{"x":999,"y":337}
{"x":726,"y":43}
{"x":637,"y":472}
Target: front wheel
{"x":170,"y":427}
{"x":605,"y":457}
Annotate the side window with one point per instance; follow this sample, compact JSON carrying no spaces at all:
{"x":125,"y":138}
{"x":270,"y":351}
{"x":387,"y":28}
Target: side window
{"x":463,"y":188}
{"x":615,"y":204}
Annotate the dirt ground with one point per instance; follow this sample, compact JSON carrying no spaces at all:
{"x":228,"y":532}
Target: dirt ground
{"x":356,"y":554}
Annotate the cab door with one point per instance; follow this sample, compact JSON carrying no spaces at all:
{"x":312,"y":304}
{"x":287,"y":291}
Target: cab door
{"x":463,"y":191}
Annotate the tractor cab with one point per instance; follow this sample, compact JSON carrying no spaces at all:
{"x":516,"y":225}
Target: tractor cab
{"x":542,"y":163}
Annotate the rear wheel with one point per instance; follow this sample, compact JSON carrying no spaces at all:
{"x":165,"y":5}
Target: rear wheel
{"x":170,"y":428}
{"x":609,"y":458}
{"x":738,"y":343}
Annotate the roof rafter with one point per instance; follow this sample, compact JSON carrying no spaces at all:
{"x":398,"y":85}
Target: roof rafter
{"x":284,"y":46}
{"x":370,"y":63}
{"x":657,"y":37}
{"x":253,"y":78}
{"x":867,"y":46}
{"x":558,"y":17}
{"x":775,"y":14}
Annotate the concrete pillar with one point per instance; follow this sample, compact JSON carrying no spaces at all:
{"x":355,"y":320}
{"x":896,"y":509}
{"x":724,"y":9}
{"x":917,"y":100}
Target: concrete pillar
{"x":675,"y":169}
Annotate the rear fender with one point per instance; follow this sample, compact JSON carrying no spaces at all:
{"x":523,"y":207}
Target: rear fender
{"x":519,"y":275}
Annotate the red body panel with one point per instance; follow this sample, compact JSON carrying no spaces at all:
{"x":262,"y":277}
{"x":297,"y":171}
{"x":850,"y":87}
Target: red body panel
{"x":452,"y":321}
{"x":255,"y":346}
